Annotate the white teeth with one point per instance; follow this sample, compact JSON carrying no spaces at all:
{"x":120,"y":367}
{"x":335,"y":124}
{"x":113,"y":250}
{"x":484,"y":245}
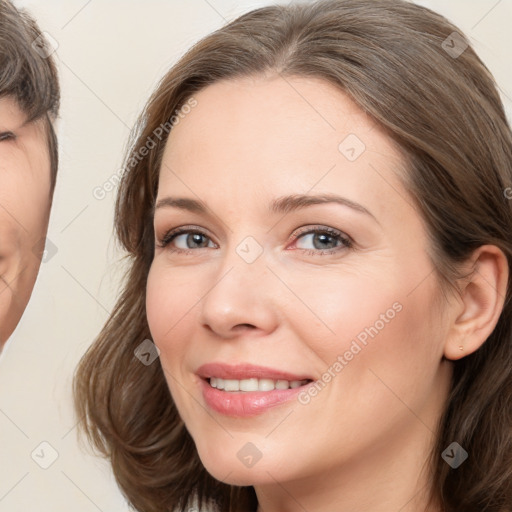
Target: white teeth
{"x":253,"y":384}
{"x":266,"y":385}
{"x":249,"y":385}
{"x":282,"y":384}
{"x":231,"y":385}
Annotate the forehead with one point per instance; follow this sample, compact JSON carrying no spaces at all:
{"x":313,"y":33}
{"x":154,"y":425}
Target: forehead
{"x":11,"y":111}
{"x":308,"y":108}
{"x":267,"y":136}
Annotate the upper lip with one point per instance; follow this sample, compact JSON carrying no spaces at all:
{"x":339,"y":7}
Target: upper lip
{"x":246,"y":371}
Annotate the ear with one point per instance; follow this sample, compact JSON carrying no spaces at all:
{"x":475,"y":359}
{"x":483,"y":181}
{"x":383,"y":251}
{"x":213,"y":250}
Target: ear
{"x":482,"y":296}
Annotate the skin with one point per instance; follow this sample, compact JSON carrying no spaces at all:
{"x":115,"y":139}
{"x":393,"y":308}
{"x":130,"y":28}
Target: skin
{"x":371,"y":427}
{"x":24,"y":210}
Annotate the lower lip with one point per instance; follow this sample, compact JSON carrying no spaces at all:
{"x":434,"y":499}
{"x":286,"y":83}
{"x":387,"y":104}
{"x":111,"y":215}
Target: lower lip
{"x":245,"y":403}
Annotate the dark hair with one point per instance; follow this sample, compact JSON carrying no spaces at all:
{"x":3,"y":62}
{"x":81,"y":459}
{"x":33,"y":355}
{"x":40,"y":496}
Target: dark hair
{"x":444,"y":112}
{"x":28,"y":76}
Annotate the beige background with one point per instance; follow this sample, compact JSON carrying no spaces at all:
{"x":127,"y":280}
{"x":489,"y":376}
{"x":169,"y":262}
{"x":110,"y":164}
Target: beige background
{"x":110,"y":55}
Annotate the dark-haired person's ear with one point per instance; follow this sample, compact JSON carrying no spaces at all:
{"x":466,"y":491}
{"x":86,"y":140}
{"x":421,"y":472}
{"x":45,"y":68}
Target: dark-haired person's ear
{"x":480,"y":302}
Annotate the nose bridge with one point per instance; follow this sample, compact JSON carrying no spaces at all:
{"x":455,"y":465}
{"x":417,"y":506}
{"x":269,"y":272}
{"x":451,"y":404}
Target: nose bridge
{"x":247,"y":258}
{"x":241,"y":291}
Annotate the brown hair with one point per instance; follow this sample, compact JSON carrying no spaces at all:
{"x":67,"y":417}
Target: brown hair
{"x":444,"y":112}
{"x":28,"y":76}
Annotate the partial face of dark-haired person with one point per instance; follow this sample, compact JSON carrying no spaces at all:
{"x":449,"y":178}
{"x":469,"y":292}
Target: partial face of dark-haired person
{"x":29,"y":98}
{"x":316,"y":320}
{"x":25,"y":208}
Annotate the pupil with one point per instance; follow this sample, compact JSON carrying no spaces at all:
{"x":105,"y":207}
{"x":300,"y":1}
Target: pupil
{"x":323,"y":237}
{"x":196,"y":237}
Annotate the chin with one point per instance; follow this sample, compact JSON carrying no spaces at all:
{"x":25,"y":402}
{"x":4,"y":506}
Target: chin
{"x":241,"y":463}
{"x":234,"y":475}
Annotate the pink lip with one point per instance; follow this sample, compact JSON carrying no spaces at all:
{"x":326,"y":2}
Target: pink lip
{"x":242,"y":403}
{"x":245,"y":371}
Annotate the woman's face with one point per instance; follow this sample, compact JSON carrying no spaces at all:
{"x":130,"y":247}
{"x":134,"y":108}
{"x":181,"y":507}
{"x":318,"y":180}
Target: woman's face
{"x":24,"y":210}
{"x":268,"y":287}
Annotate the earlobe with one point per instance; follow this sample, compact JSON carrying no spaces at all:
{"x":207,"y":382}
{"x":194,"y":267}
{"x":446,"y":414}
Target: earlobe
{"x":482,"y":298}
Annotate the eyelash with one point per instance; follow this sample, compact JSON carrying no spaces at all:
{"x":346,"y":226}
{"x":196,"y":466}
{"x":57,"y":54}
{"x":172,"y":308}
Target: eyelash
{"x":7,"y":136}
{"x":346,"y":241}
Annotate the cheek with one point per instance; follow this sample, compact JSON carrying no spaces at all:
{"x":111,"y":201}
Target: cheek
{"x":392,"y":352}
{"x":169,"y":309}
{"x":377,"y":325}
{"x":25,"y":193}
{"x":343,"y":307}
{"x":169,"y":300}
{"x":37,"y":204}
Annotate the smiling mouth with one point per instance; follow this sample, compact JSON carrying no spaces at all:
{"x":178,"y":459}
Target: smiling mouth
{"x":252,"y":384}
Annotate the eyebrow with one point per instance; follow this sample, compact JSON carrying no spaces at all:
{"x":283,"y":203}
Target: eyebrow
{"x":284,"y":204}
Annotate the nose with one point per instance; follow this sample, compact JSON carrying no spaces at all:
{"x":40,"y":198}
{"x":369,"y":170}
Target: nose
{"x":243,"y":298}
